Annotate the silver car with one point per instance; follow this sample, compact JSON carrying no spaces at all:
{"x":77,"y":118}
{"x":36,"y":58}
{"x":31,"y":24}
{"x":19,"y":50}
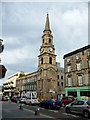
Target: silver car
{"x":79,"y":106}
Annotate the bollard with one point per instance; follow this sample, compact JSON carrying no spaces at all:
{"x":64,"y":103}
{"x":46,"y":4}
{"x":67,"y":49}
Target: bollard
{"x":37,"y":111}
{"x":21,"y":106}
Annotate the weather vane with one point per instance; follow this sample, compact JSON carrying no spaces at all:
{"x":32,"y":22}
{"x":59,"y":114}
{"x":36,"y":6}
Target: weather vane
{"x":47,"y":10}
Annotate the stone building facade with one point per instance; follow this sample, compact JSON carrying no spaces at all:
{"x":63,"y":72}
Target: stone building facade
{"x":60,"y":79}
{"x":77,"y":72}
{"x":27,"y":83}
{"x":10,"y":84}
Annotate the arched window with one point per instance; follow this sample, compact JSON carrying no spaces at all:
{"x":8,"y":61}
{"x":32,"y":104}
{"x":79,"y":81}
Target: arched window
{"x":43,"y":40}
{"x":50,"y":60}
{"x":41,"y":60}
{"x":49,"y":40}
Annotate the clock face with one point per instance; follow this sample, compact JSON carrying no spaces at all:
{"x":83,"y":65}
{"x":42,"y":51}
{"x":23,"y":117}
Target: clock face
{"x":42,"y":50}
{"x":51,"y":49}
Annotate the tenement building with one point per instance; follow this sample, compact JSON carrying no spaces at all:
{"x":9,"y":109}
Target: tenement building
{"x":77,"y":73}
{"x":10,"y":84}
{"x":27,"y":83}
{"x":48,"y":80}
{"x":60,"y":80}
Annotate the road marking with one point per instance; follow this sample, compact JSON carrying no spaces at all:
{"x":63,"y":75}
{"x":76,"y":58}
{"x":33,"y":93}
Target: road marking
{"x":53,"y":110}
{"x":47,"y":116}
{"x":29,"y":110}
{"x":42,"y":108}
{"x":70,"y":114}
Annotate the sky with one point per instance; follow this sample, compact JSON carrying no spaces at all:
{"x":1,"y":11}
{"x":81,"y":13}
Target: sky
{"x":22,"y":29}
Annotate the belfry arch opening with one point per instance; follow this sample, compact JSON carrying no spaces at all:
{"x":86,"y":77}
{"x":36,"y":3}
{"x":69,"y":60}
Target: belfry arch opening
{"x":41,"y":60}
{"x":50,"y":60}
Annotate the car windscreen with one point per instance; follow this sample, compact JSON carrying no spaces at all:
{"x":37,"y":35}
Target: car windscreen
{"x":88,"y":102}
{"x":53,"y":100}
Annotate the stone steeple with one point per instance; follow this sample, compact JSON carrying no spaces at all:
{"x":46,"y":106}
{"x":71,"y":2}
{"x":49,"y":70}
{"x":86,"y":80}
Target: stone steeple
{"x":47,"y":71}
{"x":47,"y":25}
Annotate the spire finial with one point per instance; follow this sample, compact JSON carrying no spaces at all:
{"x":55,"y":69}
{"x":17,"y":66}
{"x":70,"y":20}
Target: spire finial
{"x":47,"y":26}
{"x":47,"y":10}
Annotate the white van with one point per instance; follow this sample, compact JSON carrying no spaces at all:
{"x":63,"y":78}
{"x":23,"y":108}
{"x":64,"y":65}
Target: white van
{"x":31,"y":98}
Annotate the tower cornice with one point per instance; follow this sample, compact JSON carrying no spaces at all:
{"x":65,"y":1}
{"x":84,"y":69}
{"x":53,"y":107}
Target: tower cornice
{"x":46,"y":53}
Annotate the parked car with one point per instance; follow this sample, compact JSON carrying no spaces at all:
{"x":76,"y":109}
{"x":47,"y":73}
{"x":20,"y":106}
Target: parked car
{"x":66,"y":100}
{"x":15,"y":99}
{"x":22,"y":99}
{"x":4,"y":98}
{"x":33,"y":101}
{"x":50,"y":103}
{"x":7,"y":97}
{"x":80,"y":107}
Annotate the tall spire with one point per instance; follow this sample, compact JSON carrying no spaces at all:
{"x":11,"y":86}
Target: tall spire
{"x":47,"y":26}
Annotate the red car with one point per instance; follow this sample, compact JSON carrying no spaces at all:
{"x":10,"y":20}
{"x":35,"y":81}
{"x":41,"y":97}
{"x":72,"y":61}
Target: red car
{"x":66,"y":100}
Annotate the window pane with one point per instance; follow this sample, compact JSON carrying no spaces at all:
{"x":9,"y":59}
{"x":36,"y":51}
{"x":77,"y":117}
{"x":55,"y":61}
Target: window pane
{"x":89,"y":63}
{"x":79,"y":80}
{"x":69,"y":81}
{"x":68,"y":59}
{"x":78,"y":57}
{"x":88,"y":53}
{"x":78,"y":66}
{"x":61,"y":77}
{"x":69,"y":68}
{"x":57,"y":76}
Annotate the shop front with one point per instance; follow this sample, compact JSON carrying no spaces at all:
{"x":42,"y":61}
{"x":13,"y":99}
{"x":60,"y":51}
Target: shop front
{"x":78,"y":92}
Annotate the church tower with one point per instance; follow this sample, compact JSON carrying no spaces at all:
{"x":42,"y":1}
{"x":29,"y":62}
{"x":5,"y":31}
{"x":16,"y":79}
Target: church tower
{"x":47,"y":71}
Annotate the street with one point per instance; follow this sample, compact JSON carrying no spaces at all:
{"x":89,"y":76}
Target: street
{"x":11,"y":110}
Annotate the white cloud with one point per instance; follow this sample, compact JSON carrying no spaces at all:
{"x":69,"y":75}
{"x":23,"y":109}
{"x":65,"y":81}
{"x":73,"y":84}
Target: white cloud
{"x":19,"y":55}
{"x":23,"y":30}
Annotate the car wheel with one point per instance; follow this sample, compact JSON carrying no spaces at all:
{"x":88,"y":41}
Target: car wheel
{"x":18,"y":101}
{"x":68,"y":110}
{"x":49,"y":106}
{"x":86,"y":114}
{"x":63,"y":104}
